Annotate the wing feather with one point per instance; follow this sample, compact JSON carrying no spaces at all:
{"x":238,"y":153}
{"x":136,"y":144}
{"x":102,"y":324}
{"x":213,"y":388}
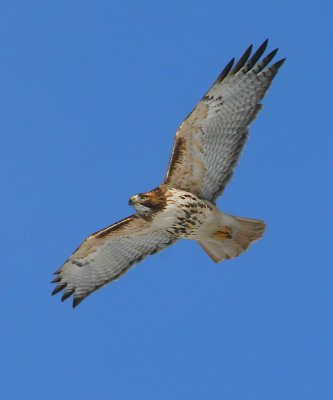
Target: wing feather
{"x":108,"y":254}
{"x":210,"y":140}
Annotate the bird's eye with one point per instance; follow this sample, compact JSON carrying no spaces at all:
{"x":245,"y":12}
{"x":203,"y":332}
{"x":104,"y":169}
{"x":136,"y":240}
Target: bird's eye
{"x":143,"y":197}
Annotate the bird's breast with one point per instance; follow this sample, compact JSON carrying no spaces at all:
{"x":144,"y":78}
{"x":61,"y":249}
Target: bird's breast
{"x":186,"y":217}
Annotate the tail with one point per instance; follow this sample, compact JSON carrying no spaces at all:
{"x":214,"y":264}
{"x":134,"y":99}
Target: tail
{"x":234,"y":238}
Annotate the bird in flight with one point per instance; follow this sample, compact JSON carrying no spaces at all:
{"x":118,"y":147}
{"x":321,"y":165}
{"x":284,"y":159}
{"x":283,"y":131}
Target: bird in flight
{"x":207,"y":147}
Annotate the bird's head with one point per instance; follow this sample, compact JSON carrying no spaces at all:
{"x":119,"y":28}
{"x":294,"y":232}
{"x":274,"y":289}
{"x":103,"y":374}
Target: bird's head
{"x":149,"y":202}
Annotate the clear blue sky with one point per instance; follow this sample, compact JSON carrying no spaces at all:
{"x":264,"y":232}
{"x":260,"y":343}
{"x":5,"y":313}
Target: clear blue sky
{"x":91,"y":95}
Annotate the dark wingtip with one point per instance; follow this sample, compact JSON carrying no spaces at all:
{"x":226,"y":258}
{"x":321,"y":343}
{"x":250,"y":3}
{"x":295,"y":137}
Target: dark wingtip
{"x":278,"y":64}
{"x":241,"y":62}
{"x":77,"y":301}
{"x":58,"y":288}
{"x":263,"y":46}
{"x":263,"y":63}
{"x":56,"y":279}
{"x":271,"y":55}
{"x":226,"y":70}
{"x":67,"y":294}
{"x":261,"y":49}
{"x":57,"y":272}
{"x":256,"y":56}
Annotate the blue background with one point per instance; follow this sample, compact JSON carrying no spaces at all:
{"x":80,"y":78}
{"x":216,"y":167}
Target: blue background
{"x":91,"y":95}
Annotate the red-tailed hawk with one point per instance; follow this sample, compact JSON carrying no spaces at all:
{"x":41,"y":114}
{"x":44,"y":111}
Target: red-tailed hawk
{"x":206,"y":150}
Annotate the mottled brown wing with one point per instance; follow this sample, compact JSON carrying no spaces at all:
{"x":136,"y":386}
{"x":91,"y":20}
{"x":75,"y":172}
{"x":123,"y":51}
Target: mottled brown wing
{"x":209,"y":142}
{"x":108,"y":254}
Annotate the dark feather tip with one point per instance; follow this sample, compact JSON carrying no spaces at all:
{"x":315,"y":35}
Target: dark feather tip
{"x":226,"y":70}
{"x":278,"y":64}
{"x":270,"y":56}
{"x":57,"y":272}
{"x":263,"y":47}
{"x":67,"y":294}
{"x":59,"y":288}
{"x":259,"y":67}
{"x":77,"y":301}
{"x":240,"y":64}
{"x":256,"y":56}
{"x":56,"y":280}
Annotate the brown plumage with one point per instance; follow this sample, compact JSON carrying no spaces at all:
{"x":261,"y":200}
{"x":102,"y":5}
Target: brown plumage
{"x":207,"y":147}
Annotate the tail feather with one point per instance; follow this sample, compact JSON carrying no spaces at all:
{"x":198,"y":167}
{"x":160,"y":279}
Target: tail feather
{"x":234,"y":238}
{"x":250,"y":230}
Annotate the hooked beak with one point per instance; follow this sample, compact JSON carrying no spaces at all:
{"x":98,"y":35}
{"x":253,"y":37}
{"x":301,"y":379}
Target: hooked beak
{"x":132,"y":200}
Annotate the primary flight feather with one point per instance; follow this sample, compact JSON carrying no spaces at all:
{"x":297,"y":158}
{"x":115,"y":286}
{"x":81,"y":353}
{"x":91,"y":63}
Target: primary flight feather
{"x":206,"y":150}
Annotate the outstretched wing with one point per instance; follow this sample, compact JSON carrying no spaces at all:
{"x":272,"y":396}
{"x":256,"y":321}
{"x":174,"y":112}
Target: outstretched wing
{"x":209,"y":142}
{"x":108,"y":254}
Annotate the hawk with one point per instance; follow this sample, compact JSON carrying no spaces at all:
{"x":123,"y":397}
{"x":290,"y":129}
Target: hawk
{"x":206,"y":150}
